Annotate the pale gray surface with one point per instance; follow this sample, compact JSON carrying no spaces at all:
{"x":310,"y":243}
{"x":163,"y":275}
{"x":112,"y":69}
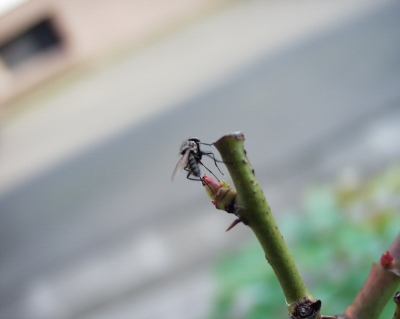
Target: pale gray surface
{"x":105,"y":234}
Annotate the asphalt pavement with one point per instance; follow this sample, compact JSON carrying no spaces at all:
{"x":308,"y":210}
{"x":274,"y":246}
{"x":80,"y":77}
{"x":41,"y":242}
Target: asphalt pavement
{"x":98,"y":230}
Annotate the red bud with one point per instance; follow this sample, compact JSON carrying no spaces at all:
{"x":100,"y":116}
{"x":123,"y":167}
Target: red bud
{"x":387,"y":260}
{"x":211,"y":186}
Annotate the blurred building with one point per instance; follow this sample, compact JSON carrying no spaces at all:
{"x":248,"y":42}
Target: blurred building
{"x":41,"y":38}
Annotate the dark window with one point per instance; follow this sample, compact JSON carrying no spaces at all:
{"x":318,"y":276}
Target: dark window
{"x":35,"y":40}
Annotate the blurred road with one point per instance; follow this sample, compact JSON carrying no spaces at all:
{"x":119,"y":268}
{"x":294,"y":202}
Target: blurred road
{"x":99,"y":231}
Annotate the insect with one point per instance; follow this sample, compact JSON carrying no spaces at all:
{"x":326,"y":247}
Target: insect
{"x":191,"y":159}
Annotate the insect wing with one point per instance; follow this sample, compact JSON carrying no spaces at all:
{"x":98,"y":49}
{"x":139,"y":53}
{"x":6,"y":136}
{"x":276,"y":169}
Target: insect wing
{"x":181,"y":164}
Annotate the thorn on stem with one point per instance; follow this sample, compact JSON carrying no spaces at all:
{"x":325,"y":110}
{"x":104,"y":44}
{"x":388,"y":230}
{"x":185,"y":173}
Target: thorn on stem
{"x":234,"y":223}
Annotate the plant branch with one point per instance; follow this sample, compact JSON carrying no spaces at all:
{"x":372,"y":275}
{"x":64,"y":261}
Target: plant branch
{"x":380,"y":285}
{"x":256,"y":213}
{"x":396,"y":300}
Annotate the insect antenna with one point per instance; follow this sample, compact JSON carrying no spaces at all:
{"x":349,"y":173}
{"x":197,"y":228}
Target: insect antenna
{"x":205,"y":144}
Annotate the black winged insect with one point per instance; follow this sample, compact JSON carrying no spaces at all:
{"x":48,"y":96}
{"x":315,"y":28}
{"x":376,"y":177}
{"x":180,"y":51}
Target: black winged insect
{"x":191,"y":159}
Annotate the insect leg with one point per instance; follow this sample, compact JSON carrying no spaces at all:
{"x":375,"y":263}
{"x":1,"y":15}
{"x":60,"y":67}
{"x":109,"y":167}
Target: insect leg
{"x":211,"y":155}
{"x":193,"y":179}
{"x":190,"y":173}
{"x":209,"y":170}
{"x":198,"y":179}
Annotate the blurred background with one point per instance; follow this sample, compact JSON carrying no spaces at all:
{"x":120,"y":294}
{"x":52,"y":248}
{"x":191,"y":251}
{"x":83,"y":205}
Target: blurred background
{"x":96,"y":99}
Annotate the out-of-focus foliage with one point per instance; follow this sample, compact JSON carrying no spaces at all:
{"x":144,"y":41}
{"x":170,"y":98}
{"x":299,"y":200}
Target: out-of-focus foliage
{"x":334,"y":239}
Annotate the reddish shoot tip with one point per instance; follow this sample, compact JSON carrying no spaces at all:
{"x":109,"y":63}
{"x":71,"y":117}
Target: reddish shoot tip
{"x":387,"y":260}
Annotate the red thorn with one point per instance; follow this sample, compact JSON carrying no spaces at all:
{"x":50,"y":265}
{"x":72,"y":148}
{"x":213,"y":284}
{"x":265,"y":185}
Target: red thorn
{"x":387,"y":260}
{"x":234,"y":223}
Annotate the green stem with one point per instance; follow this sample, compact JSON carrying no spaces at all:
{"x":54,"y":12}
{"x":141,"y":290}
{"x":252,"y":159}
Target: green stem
{"x":257,"y":215}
